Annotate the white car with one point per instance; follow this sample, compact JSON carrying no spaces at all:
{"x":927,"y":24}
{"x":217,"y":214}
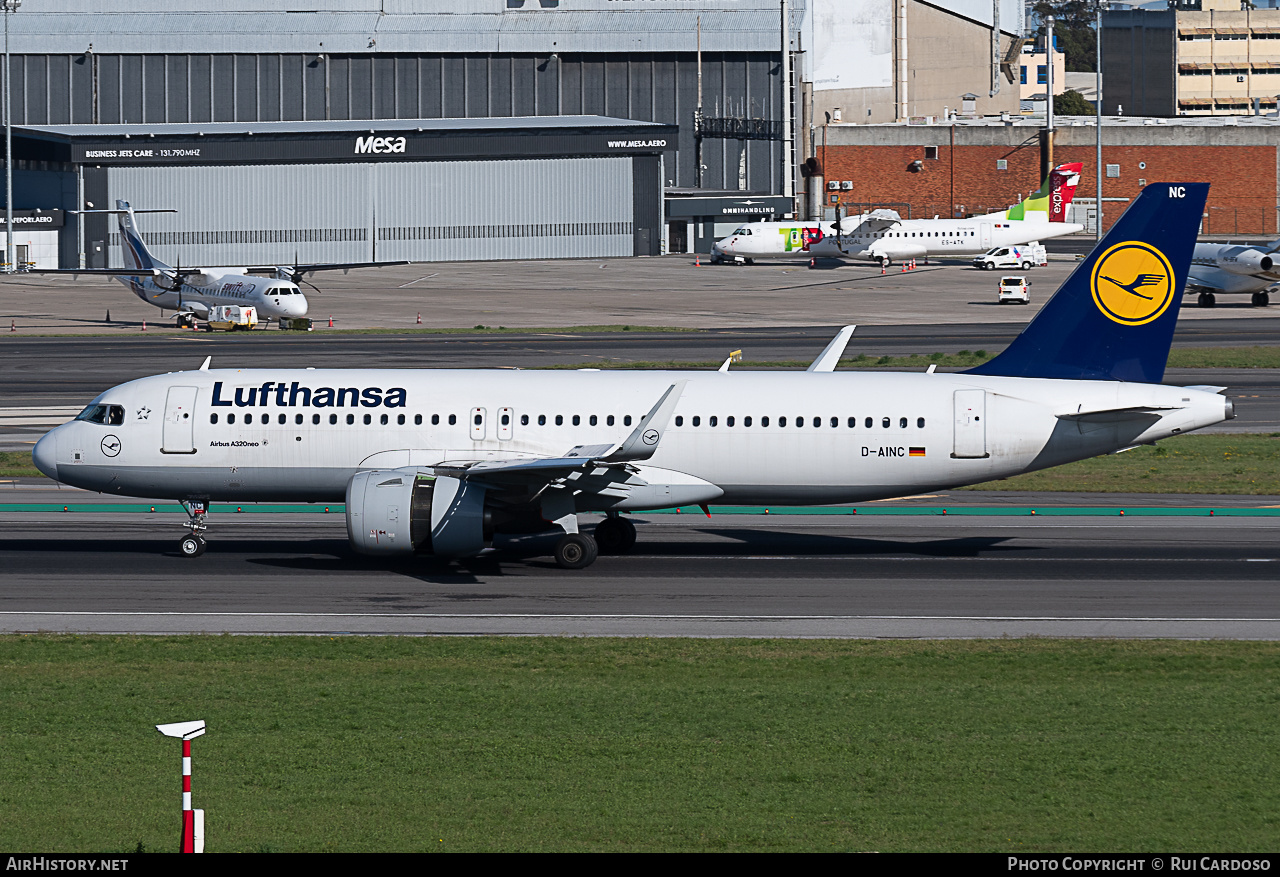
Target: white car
{"x":1025,"y":257}
{"x":1014,"y":289}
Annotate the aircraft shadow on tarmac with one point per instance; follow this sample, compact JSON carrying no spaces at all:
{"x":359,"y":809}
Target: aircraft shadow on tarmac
{"x":515,"y":556}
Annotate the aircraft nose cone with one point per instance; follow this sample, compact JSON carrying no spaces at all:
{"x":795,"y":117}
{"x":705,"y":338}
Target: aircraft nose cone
{"x":298,"y":307}
{"x":45,"y":455}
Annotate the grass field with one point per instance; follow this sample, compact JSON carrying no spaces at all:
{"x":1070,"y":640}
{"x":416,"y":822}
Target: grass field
{"x":1218,"y":464}
{"x":1188,"y":357}
{"x":459,"y":744}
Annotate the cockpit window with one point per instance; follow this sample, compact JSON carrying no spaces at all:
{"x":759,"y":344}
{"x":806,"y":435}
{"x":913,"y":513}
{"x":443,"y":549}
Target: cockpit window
{"x":109,"y":415}
{"x":743,"y":231}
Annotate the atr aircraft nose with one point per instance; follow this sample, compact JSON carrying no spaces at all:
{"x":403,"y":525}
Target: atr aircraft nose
{"x":298,"y":305}
{"x":45,"y":455}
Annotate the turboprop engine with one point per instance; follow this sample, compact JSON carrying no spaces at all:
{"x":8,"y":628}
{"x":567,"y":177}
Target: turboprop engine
{"x":1246,"y":260}
{"x":405,"y":511}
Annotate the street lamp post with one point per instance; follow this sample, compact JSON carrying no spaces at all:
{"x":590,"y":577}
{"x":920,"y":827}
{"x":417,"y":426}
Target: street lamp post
{"x":9,"y":266}
{"x":1097,"y":96}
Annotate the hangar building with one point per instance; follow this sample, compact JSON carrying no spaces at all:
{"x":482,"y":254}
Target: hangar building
{"x":415,"y":189}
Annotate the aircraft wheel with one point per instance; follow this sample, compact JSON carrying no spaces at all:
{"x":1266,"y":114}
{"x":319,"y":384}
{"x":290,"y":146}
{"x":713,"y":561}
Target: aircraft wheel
{"x":615,"y":536}
{"x":1210,"y":300}
{"x":1264,"y":298}
{"x":576,"y":551}
{"x":192,"y":546}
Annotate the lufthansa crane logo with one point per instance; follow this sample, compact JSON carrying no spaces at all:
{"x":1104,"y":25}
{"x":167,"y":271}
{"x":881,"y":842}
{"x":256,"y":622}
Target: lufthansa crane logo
{"x":1132,"y":283}
{"x":110,"y":446}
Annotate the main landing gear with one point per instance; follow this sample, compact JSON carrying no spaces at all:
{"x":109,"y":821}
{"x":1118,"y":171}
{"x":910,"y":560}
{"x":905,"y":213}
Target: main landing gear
{"x":194,"y":544}
{"x":1261,"y":299}
{"x":613,"y":535}
{"x":1206,"y":300}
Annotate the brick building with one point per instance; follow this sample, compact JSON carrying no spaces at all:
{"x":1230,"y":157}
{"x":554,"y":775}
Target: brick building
{"x":969,"y":167}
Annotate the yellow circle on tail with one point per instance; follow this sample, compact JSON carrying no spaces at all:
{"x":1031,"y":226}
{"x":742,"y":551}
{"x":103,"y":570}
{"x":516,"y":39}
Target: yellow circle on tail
{"x":1132,"y":283}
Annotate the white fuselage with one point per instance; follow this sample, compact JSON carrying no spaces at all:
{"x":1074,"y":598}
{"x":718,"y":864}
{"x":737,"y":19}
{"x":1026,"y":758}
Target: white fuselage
{"x":867,"y":237}
{"x":735,"y":437}
{"x":1207,"y":274}
{"x":272,"y":297}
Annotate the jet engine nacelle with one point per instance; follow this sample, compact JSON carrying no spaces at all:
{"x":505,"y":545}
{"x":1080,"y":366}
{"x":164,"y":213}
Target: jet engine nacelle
{"x":1246,"y":260}
{"x":405,"y":511}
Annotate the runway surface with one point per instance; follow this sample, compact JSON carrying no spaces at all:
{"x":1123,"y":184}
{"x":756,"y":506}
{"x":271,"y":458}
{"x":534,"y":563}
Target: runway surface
{"x":793,"y":576}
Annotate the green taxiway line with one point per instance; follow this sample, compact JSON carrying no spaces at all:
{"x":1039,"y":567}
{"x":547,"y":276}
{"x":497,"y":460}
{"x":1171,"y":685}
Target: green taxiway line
{"x":970,"y":511}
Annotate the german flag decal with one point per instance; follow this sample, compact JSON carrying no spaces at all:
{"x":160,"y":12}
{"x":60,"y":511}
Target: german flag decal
{"x":916,"y":452}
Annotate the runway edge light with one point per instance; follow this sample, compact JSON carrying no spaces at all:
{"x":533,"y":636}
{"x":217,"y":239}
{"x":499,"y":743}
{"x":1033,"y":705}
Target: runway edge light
{"x":192,"y":840}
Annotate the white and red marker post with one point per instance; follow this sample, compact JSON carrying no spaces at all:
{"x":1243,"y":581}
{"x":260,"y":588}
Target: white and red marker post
{"x":192,"y":820}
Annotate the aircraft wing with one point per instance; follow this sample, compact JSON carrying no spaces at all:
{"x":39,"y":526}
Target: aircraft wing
{"x":303,"y":270}
{"x":884,"y":218}
{"x":640,"y":445}
{"x":104,"y":272}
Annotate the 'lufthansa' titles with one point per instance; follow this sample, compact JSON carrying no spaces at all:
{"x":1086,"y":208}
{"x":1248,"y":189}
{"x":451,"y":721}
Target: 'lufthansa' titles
{"x":295,"y":396}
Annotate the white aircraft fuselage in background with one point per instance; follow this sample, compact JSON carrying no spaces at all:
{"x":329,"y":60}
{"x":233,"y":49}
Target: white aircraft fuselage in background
{"x":437,"y":461}
{"x":191,"y":292}
{"x":1234,"y":269}
{"x":274,"y":298}
{"x":883,"y":236}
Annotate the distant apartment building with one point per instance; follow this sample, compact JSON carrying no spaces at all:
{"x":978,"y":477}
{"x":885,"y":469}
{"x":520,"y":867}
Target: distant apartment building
{"x":1034,"y":73}
{"x":1196,"y":58}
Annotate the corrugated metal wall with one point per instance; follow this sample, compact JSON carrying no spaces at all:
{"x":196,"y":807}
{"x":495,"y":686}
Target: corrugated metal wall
{"x":249,"y":214}
{"x":531,"y":209}
{"x":421,"y":211}
{"x":651,"y":87}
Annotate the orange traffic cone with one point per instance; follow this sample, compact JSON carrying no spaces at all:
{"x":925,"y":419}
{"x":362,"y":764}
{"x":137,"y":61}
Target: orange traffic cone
{"x":144,"y":325}
{"x":419,"y":318}
{"x":331,"y":321}
{"x":13,"y":325}
{"x":697,"y":260}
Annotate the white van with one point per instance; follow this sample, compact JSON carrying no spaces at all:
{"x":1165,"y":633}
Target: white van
{"x":1014,"y":290}
{"x":1024,"y":256}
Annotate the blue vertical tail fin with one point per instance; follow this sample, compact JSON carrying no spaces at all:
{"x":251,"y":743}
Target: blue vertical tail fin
{"x":1114,"y":317}
{"x":136,"y":254}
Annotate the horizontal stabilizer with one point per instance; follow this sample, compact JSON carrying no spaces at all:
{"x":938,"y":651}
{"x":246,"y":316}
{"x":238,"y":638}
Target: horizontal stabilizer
{"x":1115,"y":415}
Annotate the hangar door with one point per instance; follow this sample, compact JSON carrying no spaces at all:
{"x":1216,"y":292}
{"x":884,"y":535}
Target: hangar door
{"x":504,"y":209}
{"x":248,"y":214}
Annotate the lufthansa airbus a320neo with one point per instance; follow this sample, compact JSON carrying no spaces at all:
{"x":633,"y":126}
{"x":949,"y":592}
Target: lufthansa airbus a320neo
{"x":436,"y":461}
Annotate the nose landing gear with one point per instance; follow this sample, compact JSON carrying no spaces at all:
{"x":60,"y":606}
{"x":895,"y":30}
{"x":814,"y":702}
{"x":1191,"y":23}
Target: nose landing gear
{"x":194,"y":544}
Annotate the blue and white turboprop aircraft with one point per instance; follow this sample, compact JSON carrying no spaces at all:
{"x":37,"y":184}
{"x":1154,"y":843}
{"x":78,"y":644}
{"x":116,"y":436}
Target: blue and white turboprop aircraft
{"x":191,"y":292}
{"x":434,"y":461}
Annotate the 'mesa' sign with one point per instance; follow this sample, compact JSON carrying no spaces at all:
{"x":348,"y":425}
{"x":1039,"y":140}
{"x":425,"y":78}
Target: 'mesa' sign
{"x":379,"y":145}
